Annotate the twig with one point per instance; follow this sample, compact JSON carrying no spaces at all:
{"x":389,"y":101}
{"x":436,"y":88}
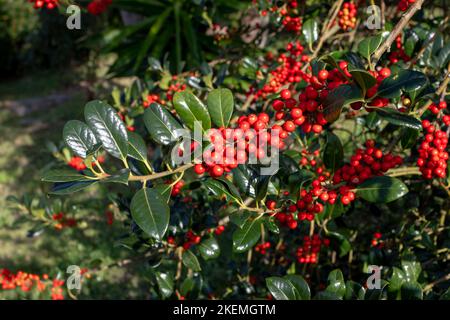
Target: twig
{"x":432,"y":284}
{"x":397,"y":29}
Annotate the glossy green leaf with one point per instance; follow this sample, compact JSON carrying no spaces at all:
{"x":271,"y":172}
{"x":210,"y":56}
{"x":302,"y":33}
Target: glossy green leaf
{"x":119,"y":177}
{"x":399,"y":119}
{"x":150,"y":212}
{"x":165,"y":190}
{"x":65,"y":175}
{"x":61,"y":188}
{"x":165,"y":284}
{"x":209,"y":249}
{"x":220,"y":106}
{"x":354,"y":291}
{"x":336,"y":283}
{"x":397,"y":279}
{"x":247,"y":236}
{"x":161,"y":124}
{"x":338,"y":98}
{"x":136,"y":147}
{"x":281,"y":289}
{"x":108,"y":128}
{"x":191,"y":109}
{"x":190,"y":261}
{"x":310,"y":30}
{"x":409,"y":137}
{"x":368,"y":45}
{"x":412,"y":270}
{"x":406,"y":80}
{"x":363,"y":78}
{"x":382,"y":189}
{"x":79,"y":138}
{"x":302,"y":291}
{"x":333,"y":152}
{"x":411,"y":291}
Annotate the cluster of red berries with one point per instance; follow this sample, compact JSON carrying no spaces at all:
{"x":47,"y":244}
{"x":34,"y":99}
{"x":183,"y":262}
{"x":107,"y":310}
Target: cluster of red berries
{"x":219,"y":230}
{"x":364,"y":164}
{"x":62,"y":221}
{"x":404,"y":4}
{"x":263,"y":247}
{"x":288,"y":13}
{"x":78,"y":163}
{"x":377,"y":102}
{"x":174,"y":88}
{"x":376,"y":241}
{"x":231,"y":147}
{"x":291,"y":23}
{"x":153,"y":98}
{"x":347,"y":16}
{"x":26,"y":282}
{"x":49,"y":4}
{"x":177,"y":188}
{"x":310,"y":249}
{"x":97,"y":7}
{"x":287,"y":72}
{"x":191,"y":239}
{"x":436,"y":108}
{"x":308,"y":111}
{"x":432,"y":155}
{"x":399,"y":52}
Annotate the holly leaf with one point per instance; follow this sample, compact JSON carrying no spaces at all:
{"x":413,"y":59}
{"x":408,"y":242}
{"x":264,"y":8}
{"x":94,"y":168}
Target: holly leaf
{"x":107,"y":127}
{"x":150,"y":212}
{"x":220,"y":104}
{"x":382,"y":189}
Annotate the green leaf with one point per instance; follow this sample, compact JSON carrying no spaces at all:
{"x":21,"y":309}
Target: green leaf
{"x":411,"y":291}
{"x":161,"y":124}
{"x":119,"y":177}
{"x":369,"y":45}
{"x":220,"y":187}
{"x":245,"y":179}
{"x":70,"y":187}
{"x":165,"y":284}
{"x":354,"y":290}
{"x":150,"y":212}
{"x":363,"y":78}
{"x":191,"y":109}
{"x":281,"y":289}
{"x":310,"y":30}
{"x":209,"y":249}
{"x":333,"y":152}
{"x":190,"y":261}
{"x":301,"y":286}
{"x":406,"y":80}
{"x":220,"y":106}
{"x":165,"y":190}
{"x":338,"y":98}
{"x":65,"y":175}
{"x":409,"y":137}
{"x":397,"y":279}
{"x":399,"y":119}
{"x":270,"y":223}
{"x":336,"y":283}
{"x":247,"y":236}
{"x":108,"y":128}
{"x":136,"y":147}
{"x":79,"y":138}
{"x":412,"y":270}
{"x":382,"y":189}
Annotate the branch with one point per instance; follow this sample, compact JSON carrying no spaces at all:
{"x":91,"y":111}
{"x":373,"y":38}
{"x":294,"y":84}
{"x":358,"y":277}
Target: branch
{"x":398,"y":28}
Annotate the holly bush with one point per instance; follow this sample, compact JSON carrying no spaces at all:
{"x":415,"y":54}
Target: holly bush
{"x":291,"y":150}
